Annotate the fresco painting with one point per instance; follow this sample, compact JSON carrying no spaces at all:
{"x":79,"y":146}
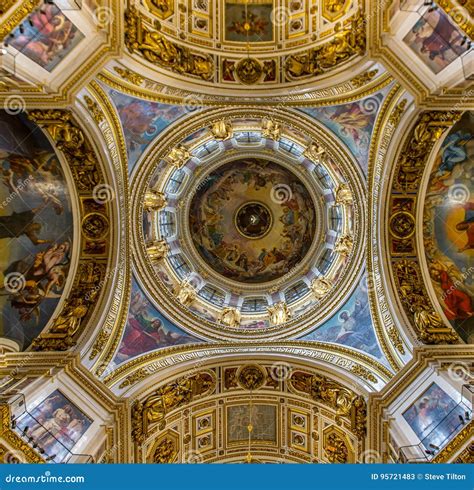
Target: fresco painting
{"x":353,"y":123}
{"x":250,"y":22}
{"x":142,"y":121}
{"x":448,"y":226}
{"x":434,"y":416}
{"x":55,"y":425}
{"x":36,"y":230}
{"x":46,"y":37}
{"x":229,"y":242}
{"x":436,"y":40}
{"x":147,"y":329}
{"x":352,"y":325}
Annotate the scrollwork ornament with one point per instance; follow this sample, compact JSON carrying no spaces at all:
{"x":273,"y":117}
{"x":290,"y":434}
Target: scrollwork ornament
{"x":156,"y":49}
{"x":346,"y":43}
{"x":249,"y":71}
{"x":167,"y":398}
{"x":336,"y":449}
{"x":428,"y":323}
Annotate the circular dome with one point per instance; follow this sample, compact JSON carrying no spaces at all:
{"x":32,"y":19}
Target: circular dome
{"x":249,"y":227}
{"x":252,"y":220}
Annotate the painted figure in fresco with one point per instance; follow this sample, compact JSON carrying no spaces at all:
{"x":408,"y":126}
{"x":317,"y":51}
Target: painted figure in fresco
{"x":33,"y":176}
{"x":436,"y":39}
{"x":233,"y":255}
{"x":142,"y":120}
{"x":458,"y":304}
{"x":145,"y":331}
{"x":425,"y":415}
{"x":353,"y":120}
{"x":55,"y":425}
{"x":352,"y":327}
{"x":449,"y":227}
{"x":250,"y":24}
{"x":22,"y":223}
{"x":49,"y":34}
{"x":43,"y":278}
{"x":454,"y":150}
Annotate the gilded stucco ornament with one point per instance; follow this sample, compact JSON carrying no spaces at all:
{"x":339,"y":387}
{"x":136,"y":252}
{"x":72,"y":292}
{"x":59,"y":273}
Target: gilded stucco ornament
{"x":346,"y":43}
{"x":315,"y":152}
{"x":185,"y":293}
{"x":230,"y":317}
{"x":336,"y":449}
{"x":157,"y":49}
{"x":154,"y":200}
{"x":428,"y":324}
{"x":167,"y":398}
{"x":271,"y":129}
{"x":178,"y":156}
{"x":157,"y":250}
{"x":430,"y":327}
{"x":129,"y":75}
{"x":320,"y":287}
{"x":251,"y":377}
{"x":249,"y":71}
{"x":344,"y":245}
{"x":222,"y":130}
{"x":162,"y":8}
{"x":344,"y":195}
{"x":20,"y":447}
{"x":344,"y":401}
{"x":165,"y":452}
{"x":279,"y":313}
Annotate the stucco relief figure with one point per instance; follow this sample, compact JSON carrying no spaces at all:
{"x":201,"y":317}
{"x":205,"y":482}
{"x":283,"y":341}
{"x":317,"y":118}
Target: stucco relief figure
{"x":279,"y":313}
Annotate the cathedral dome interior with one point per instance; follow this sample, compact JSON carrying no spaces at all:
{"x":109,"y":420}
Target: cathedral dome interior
{"x":236,"y":231}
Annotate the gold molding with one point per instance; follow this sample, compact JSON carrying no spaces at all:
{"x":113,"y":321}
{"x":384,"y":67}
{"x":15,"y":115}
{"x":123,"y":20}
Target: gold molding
{"x":447,"y":454}
{"x":14,"y":440}
{"x":136,"y":85}
{"x":15,"y":18}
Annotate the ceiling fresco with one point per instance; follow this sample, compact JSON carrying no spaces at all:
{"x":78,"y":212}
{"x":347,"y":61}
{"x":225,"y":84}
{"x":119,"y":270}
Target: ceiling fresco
{"x":243,"y":229}
{"x":147,"y":329}
{"x":236,"y":231}
{"x":351,"y":325}
{"x":353,"y":123}
{"x":142,"y":121}
{"x":47,"y":37}
{"x":36,"y":229}
{"x":448,"y":234}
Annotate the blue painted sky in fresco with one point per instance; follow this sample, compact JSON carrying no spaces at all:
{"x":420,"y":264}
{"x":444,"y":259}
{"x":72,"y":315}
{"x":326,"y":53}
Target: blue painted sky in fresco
{"x":352,"y":123}
{"x":142,"y":121}
{"x":352,"y":325}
